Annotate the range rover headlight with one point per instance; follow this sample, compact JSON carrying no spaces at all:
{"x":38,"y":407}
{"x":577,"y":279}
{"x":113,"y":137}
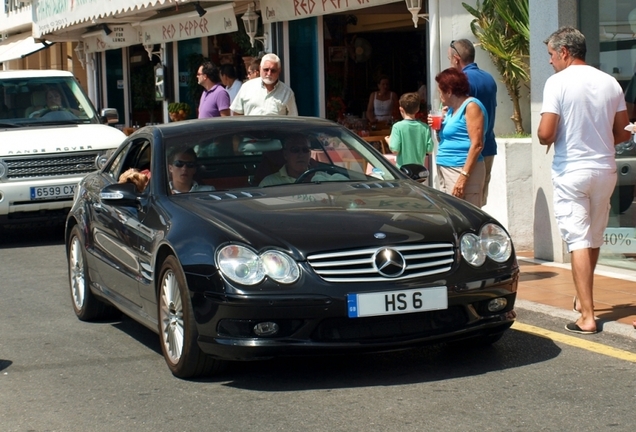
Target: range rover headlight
{"x":240,"y":264}
{"x":102,"y":158}
{"x":280,"y":267}
{"x":3,"y":169}
{"x":493,"y":242}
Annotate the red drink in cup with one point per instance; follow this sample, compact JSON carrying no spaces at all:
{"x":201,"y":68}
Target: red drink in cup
{"x":437,"y":120}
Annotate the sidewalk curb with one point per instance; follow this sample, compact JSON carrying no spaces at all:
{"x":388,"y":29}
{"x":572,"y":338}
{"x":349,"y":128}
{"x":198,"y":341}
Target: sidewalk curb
{"x":611,"y":327}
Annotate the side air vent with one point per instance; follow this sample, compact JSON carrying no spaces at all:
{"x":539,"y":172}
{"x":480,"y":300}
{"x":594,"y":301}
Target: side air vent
{"x":232,"y":195}
{"x":376,"y":185}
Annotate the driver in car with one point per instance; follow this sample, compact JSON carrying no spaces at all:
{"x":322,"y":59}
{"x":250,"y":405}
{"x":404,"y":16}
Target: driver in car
{"x":297,"y":155}
{"x":53,"y":103}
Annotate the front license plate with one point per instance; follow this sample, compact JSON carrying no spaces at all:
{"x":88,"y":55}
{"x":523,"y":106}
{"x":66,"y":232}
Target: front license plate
{"x":52,"y":192}
{"x":397,"y":302}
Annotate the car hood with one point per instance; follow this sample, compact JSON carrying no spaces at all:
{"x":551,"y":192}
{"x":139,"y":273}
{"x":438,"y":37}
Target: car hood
{"x":328,"y":216}
{"x":58,"y":139}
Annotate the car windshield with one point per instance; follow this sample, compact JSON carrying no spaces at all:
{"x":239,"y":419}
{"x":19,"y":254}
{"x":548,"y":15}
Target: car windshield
{"x":271,"y":157}
{"x":38,"y":101}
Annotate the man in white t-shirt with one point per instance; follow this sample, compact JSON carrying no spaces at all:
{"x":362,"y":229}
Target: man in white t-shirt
{"x":584,"y":115}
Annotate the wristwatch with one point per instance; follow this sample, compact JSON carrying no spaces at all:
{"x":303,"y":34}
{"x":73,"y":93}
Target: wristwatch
{"x":464,"y":173}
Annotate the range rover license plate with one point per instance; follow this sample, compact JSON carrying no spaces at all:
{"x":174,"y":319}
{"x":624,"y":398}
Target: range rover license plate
{"x":397,"y":302}
{"x":52,"y":192}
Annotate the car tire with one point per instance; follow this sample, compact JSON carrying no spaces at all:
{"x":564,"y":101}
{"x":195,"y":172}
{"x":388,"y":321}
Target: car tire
{"x":86,"y":305}
{"x":177,"y":329}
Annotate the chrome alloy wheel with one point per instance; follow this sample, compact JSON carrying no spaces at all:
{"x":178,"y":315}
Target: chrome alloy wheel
{"x":78,"y":278}
{"x":171,"y":317}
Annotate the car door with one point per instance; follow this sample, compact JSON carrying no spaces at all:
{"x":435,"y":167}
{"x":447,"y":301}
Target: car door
{"x":116,"y":229}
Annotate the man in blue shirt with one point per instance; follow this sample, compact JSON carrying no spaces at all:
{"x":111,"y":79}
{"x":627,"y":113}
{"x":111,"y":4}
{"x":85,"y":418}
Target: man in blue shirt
{"x":461,"y":54}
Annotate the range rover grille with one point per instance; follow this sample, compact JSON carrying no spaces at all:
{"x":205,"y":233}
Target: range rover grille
{"x":361,"y":265}
{"x":50,"y":166}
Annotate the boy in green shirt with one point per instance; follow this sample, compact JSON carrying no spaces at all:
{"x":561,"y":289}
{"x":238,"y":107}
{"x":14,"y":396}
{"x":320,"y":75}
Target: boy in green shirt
{"x":410,"y":139}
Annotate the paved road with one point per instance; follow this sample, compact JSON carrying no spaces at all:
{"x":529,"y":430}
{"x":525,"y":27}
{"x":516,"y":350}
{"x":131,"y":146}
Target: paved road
{"x":59,"y":374}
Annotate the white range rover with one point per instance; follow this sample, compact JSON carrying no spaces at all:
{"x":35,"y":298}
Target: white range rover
{"x":50,"y":137}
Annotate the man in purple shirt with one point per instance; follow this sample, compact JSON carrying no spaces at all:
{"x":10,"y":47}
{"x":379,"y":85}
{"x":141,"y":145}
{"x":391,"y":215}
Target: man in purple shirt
{"x":215,"y":102}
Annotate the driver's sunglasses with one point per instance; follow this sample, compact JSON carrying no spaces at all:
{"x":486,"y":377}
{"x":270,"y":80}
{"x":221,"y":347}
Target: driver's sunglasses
{"x":452,"y":45}
{"x":180,"y":164}
{"x":300,"y":149}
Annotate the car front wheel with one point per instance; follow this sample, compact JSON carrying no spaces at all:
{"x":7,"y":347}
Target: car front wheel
{"x":86,"y":305}
{"x":177,"y":329}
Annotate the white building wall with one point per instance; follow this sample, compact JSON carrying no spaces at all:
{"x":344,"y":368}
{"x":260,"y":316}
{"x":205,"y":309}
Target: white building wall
{"x":546,"y":16}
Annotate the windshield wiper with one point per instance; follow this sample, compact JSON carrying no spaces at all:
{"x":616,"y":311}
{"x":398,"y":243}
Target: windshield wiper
{"x":9,"y":125}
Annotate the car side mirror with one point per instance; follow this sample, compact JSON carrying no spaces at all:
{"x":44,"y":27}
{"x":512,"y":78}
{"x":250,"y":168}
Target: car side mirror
{"x":415,"y":172}
{"x":110,"y":116}
{"x":119,"y":194}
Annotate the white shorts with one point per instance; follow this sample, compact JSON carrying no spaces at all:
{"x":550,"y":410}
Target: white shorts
{"x":582,"y":205}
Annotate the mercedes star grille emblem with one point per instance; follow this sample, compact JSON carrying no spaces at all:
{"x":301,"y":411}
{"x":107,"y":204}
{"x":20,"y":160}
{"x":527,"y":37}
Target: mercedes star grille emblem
{"x":389,"y":262}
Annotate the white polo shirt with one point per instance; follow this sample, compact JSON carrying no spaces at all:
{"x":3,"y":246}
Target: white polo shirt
{"x":254,"y":99}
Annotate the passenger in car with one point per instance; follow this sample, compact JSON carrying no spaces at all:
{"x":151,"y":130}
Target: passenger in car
{"x":182,"y":167}
{"x":297,"y":155}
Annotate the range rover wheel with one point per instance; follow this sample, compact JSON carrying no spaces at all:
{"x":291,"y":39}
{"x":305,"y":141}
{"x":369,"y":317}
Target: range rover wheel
{"x":86,"y":305}
{"x":177,"y":328}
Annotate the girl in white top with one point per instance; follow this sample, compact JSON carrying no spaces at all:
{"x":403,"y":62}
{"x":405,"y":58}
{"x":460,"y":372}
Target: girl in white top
{"x":383,"y":103}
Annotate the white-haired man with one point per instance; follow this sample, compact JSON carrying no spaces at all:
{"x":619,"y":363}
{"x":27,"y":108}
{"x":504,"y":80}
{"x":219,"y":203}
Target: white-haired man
{"x":266,"y":95}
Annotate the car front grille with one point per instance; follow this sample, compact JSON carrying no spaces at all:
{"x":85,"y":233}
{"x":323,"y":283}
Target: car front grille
{"x":19,"y":168}
{"x":360,"y":265}
{"x":391,"y":327}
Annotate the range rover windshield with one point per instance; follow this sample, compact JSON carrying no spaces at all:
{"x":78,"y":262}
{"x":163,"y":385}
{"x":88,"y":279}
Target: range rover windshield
{"x":36,"y":101}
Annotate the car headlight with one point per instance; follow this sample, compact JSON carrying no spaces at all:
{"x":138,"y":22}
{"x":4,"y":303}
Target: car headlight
{"x":496,"y":242}
{"x":493,"y":242}
{"x":472,"y":252}
{"x":246,"y":267}
{"x":102,"y":158}
{"x":240,"y":264}
{"x":280,"y":267}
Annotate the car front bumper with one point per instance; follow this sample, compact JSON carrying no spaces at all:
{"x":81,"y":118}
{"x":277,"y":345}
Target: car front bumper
{"x":315,"y":324}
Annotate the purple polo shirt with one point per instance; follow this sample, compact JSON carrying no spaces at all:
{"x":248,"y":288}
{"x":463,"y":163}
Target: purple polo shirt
{"x":213,"y":101}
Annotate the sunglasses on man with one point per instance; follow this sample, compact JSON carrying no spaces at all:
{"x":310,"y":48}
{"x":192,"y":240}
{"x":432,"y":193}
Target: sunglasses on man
{"x":180,"y":164}
{"x":299,"y":149}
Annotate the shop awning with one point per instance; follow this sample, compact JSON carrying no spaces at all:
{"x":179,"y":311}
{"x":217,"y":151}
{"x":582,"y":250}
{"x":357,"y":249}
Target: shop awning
{"x":52,"y":15}
{"x":19,"y":46}
{"x":285,"y":10}
{"x":217,"y":20}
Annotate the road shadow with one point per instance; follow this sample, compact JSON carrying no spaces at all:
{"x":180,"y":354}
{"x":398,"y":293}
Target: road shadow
{"x":419,"y":365}
{"x":30,"y":235}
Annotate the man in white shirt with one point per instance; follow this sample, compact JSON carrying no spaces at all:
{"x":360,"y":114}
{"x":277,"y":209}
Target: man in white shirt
{"x":266,"y":95}
{"x":228,"y":78}
{"x":584,"y":115}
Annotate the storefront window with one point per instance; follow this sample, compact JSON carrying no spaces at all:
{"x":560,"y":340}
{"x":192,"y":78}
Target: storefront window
{"x":612,"y":47}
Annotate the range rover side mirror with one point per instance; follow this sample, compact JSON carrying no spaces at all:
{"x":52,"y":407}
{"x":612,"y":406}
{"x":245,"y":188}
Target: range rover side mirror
{"x":110,"y":116}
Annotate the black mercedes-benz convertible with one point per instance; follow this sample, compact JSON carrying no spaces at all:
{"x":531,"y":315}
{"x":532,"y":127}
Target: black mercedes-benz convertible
{"x":246,"y":238}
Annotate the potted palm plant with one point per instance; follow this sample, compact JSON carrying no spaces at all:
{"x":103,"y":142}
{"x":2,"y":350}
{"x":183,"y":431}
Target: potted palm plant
{"x":503,"y":30}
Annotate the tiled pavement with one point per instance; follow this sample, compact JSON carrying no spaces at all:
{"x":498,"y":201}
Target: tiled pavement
{"x":551,"y":284}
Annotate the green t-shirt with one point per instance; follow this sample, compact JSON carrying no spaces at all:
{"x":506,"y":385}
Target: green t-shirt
{"x":412,"y":141}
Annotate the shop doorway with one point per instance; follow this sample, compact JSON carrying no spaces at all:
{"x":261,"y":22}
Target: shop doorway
{"x":366,"y":44}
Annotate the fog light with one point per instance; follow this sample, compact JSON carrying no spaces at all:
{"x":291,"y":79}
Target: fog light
{"x":266,"y":328}
{"x":497,"y":304}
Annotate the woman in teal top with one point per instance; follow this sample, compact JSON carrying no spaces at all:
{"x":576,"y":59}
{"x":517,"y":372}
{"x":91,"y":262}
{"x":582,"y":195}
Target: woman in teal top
{"x":460,"y":165}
